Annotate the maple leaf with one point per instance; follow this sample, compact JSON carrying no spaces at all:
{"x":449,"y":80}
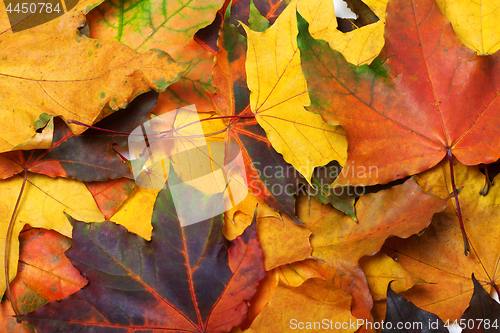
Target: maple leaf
{"x":401,"y":312}
{"x":483,"y":313}
{"x":88,"y":156}
{"x":109,"y":195}
{"x":279,"y":94}
{"x":450,"y":290}
{"x":154,"y":25}
{"x":474,"y":23}
{"x":359,"y":46}
{"x":44,"y":274}
{"x":43,"y":204}
{"x":380,"y":270}
{"x":339,"y":242}
{"x":232,"y":99}
{"x":304,"y":308}
{"x":268,"y":175}
{"x":53,"y":70}
{"x":426,"y":96}
{"x":199,"y":282}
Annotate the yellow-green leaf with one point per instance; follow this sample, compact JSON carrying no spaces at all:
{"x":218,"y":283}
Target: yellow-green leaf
{"x":380,"y":270}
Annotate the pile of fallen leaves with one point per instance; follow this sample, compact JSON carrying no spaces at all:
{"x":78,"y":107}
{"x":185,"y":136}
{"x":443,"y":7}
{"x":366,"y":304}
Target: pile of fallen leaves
{"x":366,"y":163}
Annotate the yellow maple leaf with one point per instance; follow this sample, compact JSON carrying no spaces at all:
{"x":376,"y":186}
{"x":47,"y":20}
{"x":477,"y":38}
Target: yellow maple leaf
{"x":315,"y":306}
{"x":43,"y":204}
{"x":476,"y":23}
{"x":279,"y":94}
{"x":136,"y":212}
{"x":380,"y":270}
{"x":53,"y":70}
{"x":437,"y":255}
{"x":359,"y":46}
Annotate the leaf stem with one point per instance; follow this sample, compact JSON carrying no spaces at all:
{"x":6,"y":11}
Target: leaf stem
{"x":214,"y":118}
{"x":459,"y":211}
{"x":7,"y":245}
{"x":71,"y":121}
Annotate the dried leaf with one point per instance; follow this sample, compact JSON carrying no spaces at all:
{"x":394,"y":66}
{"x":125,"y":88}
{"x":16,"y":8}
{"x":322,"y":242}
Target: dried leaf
{"x":437,"y":257}
{"x":199,"y":282}
{"x":53,"y":70}
{"x":406,"y":314}
{"x":483,"y":313}
{"x":44,"y":274}
{"x":475,"y":23}
{"x":315,"y":306}
{"x":426,"y":94}
{"x":279,"y":94}
{"x":339,"y":242}
{"x":44,"y":202}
